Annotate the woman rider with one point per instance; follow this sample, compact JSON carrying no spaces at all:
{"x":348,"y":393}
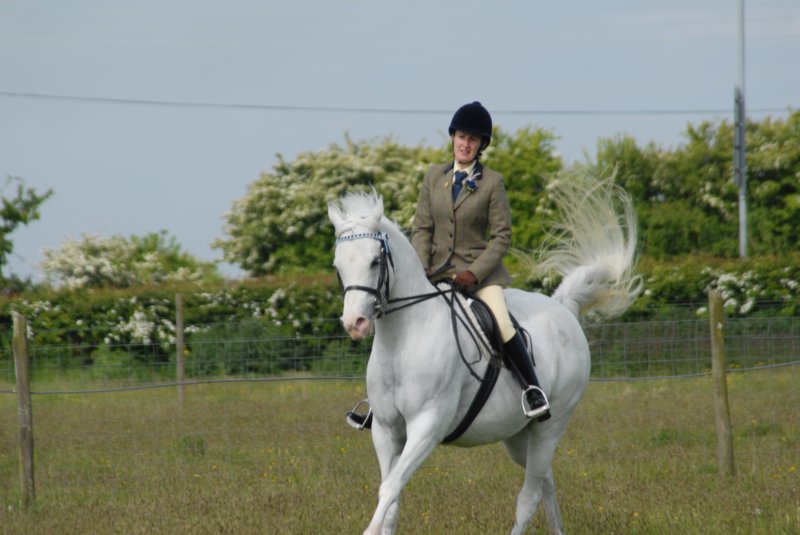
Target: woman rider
{"x":463,"y":220}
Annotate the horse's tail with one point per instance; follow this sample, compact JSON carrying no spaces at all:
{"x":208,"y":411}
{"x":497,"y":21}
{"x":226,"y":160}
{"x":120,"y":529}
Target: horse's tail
{"x":593,"y":247}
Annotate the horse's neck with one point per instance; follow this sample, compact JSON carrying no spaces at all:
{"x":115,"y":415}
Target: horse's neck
{"x":409,"y":276}
{"x":425,"y":315}
{"x":410,"y":281}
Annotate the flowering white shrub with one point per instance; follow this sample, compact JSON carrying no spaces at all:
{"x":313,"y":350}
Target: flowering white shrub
{"x":119,"y":262}
{"x":282,"y":221}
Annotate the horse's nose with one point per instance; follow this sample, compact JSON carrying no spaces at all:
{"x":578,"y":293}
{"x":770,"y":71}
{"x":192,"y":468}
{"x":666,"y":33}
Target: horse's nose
{"x":358,"y":328}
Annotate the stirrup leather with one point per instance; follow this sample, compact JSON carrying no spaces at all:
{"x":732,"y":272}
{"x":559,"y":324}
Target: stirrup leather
{"x":355,"y":424}
{"x":529,"y":411}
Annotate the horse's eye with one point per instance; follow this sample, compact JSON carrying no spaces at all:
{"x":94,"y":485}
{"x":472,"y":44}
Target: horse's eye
{"x":375,"y":263}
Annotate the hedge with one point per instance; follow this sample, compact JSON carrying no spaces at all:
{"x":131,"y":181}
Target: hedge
{"x":309,"y":305}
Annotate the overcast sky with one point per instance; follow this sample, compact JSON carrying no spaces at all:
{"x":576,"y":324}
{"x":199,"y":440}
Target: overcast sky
{"x":150,"y":115}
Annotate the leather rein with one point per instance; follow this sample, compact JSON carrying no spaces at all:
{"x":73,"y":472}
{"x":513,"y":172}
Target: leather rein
{"x":383,"y":301}
{"x":381,"y":291}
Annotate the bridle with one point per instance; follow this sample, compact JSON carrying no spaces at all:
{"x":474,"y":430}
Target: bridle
{"x":381,"y":291}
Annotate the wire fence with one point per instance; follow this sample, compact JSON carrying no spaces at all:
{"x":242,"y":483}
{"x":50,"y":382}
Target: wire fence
{"x":681,"y":348}
{"x":244,"y":351}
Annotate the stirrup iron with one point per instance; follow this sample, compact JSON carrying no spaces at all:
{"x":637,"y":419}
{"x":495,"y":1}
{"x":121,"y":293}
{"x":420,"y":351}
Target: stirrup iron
{"x":356,"y":420}
{"x":541,"y":413}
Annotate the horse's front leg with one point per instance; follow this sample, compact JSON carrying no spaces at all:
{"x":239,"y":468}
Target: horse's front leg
{"x":422,"y":436}
{"x":387,"y":448}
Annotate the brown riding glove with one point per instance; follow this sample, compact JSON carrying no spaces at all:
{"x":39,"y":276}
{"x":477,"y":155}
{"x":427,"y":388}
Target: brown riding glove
{"x":465,"y":280}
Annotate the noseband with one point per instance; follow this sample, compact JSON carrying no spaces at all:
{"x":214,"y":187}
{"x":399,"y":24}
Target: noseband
{"x":381,"y":292}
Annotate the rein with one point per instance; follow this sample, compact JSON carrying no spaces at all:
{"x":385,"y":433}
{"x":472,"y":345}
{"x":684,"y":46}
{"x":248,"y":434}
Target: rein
{"x":381,"y":292}
{"x":382,"y":299}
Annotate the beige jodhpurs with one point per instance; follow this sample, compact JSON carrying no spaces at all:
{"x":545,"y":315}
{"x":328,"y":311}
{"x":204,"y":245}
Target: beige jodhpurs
{"x":494,"y":298}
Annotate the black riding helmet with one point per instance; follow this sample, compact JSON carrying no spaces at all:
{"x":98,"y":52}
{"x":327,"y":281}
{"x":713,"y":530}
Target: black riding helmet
{"x":473,"y":119}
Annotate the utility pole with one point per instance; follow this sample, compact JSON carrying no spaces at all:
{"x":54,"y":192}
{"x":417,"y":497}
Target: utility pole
{"x":739,"y":145}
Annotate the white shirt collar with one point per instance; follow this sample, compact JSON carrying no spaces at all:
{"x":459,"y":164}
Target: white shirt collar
{"x":469,"y":169}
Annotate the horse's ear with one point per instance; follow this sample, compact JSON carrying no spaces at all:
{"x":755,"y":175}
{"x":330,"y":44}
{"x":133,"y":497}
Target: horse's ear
{"x":335,"y":215}
{"x":377,"y":212}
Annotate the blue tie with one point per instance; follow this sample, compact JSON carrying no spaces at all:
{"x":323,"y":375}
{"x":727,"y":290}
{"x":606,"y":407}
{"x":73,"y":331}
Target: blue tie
{"x":459,"y":180}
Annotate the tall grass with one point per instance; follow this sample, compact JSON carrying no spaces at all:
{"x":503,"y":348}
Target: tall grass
{"x":276,"y":457}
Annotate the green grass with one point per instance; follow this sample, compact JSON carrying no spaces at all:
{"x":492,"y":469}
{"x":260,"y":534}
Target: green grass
{"x":276,"y":457}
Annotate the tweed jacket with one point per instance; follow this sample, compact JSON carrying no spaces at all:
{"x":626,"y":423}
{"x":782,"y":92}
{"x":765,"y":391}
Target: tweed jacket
{"x":473,"y":232}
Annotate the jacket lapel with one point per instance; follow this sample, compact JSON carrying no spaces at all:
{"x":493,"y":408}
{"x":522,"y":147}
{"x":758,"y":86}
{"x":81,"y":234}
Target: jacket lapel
{"x":444,"y":186}
{"x":477,"y":175}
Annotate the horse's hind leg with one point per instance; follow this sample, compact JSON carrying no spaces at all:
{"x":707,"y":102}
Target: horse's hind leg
{"x":552,"y":512}
{"x":517,"y":447}
{"x":538,"y":479}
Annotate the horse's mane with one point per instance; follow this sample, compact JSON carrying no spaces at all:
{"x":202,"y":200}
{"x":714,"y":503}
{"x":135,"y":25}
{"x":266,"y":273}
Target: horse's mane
{"x":356,"y":209}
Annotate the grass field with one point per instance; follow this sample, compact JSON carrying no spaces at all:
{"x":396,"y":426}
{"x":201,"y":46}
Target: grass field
{"x":277,"y":458}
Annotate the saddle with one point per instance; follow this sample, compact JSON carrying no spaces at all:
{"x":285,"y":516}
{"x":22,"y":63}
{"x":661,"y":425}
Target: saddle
{"x":487,"y":323}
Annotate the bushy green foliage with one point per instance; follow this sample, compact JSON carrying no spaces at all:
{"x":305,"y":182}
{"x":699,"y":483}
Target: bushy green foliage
{"x":20,"y":209}
{"x":309,"y":306}
{"x":142,"y":319}
{"x":528,"y":162}
{"x":120,"y":262}
{"x":282,"y":223}
{"x":765,"y":285}
{"x":688,"y":202}
{"x":241,"y":348}
{"x":685,"y":197}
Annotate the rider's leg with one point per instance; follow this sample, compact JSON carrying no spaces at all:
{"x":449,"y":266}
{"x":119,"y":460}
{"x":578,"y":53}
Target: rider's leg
{"x":514,"y":348}
{"x":538,"y":407}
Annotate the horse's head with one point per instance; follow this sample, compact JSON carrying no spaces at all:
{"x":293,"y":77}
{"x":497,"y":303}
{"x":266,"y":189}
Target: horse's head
{"x":362,"y":260}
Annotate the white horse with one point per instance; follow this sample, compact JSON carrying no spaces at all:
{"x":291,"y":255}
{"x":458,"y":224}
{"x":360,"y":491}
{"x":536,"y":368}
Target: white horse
{"x":420,"y":383}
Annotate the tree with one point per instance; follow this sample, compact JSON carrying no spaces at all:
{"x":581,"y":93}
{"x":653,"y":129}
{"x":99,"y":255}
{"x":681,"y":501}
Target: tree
{"x":119,"y":262}
{"x":773,"y":176}
{"x":281,"y":224}
{"x":528,"y":162}
{"x":18,"y":210}
{"x":686,"y":198}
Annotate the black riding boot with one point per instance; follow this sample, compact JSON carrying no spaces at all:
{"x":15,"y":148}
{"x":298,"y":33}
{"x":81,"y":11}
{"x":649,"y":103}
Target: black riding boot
{"x":538,"y":407}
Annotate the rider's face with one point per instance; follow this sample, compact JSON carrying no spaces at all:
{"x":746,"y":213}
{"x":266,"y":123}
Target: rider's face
{"x":465,"y":147}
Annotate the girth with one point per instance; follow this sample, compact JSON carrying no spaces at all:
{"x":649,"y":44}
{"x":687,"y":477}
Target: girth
{"x":488,"y":324}
{"x":484,"y":391}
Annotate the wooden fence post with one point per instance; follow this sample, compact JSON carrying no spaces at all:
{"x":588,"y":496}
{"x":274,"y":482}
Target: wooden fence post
{"x":719,"y":378}
{"x":24,"y":410}
{"x":180,"y":346}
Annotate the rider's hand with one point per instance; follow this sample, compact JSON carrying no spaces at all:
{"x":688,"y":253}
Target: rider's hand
{"x":465,"y":280}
